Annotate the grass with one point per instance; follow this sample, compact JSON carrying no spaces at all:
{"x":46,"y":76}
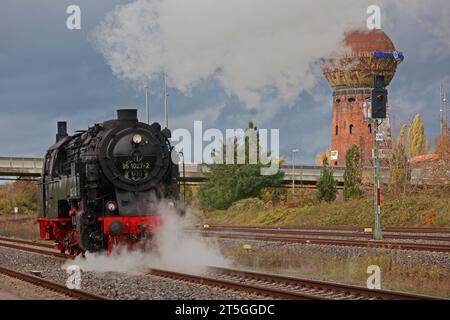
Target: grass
{"x":425,"y":208}
{"x":25,"y":227}
{"x":399,"y":273}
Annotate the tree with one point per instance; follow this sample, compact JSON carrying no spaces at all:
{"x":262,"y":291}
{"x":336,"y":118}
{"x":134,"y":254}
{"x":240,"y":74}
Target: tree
{"x":402,"y":135}
{"x":228,"y":183}
{"x":400,"y":170}
{"x":417,"y":142}
{"x":320,"y":156}
{"x":326,"y":185}
{"x":441,"y":168}
{"x":353,"y":174}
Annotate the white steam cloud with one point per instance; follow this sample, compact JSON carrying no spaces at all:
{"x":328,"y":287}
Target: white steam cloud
{"x":252,"y":48}
{"x":173,"y":249}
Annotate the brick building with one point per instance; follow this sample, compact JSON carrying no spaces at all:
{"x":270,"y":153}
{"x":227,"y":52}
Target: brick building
{"x":349,"y":72}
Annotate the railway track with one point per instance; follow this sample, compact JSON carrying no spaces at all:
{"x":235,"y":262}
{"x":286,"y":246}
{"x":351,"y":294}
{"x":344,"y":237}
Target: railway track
{"x":50,"y":285}
{"x":336,"y":242}
{"x":281,"y":287}
{"x":31,"y":246}
{"x":297,"y":235}
{"x":391,"y":233}
{"x":258,"y":284}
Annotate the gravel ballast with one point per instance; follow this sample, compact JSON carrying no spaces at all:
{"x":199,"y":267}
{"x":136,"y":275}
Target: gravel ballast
{"x":114,"y":285}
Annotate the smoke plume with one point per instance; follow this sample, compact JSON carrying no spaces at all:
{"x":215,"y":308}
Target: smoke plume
{"x":173,"y":249}
{"x":253,"y":48}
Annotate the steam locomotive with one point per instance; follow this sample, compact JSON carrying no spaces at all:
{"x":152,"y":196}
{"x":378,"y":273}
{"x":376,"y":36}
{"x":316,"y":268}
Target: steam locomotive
{"x":102,"y":187}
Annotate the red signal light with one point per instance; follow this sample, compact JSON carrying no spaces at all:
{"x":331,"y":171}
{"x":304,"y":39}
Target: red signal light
{"x":379,"y":98}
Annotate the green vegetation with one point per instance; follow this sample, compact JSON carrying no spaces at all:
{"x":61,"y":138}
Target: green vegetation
{"x":423,"y":208}
{"x":353,"y":174}
{"x":228,"y":183}
{"x":326,"y":185}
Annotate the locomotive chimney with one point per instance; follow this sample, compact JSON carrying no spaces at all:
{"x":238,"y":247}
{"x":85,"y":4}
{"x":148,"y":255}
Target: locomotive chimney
{"x":62,"y":130}
{"x":127,"y":115}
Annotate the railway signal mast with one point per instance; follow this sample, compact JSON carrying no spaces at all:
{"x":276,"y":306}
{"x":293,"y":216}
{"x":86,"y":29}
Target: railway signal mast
{"x":374,"y":112}
{"x":443,"y":110}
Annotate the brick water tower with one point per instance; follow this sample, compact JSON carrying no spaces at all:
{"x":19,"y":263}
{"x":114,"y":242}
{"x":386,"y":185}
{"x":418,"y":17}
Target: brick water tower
{"x":350,"y":71}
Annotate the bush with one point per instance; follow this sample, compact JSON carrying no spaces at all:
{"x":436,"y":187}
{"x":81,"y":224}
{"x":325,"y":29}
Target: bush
{"x":227,"y":184}
{"x":273,"y":196}
{"x":250,"y":204}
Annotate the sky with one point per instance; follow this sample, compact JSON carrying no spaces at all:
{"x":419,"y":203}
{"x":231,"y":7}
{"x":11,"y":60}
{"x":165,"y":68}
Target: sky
{"x":227,"y":62}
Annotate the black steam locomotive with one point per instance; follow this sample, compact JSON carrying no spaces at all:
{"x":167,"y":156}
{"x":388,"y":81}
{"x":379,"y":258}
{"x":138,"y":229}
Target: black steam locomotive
{"x":102,"y":187}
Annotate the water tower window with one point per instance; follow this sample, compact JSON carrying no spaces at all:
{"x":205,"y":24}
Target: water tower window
{"x":337,"y":130}
{"x":338,"y":100}
{"x":351,"y":129}
{"x":351,"y":99}
{"x":370,"y":128}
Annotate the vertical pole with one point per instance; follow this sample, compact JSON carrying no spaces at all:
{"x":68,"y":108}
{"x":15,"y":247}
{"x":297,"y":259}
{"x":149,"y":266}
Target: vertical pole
{"x":441,"y":110}
{"x":166,"y":107}
{"x":184,"y":182}
{"x":147,"y":105}
{"x":293,"y":175}
{"x":377,"y":235}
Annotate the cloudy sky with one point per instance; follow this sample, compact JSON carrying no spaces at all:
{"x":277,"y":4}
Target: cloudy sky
{"x":227,"y":61}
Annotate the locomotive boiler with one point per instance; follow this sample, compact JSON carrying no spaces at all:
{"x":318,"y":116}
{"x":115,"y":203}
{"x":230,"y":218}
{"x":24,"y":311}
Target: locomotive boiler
{"x":103,"y":186}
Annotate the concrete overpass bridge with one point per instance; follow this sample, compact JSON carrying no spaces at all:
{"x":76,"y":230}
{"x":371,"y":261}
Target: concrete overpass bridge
{"x":13,"y":167}
{"x":20,"y":167}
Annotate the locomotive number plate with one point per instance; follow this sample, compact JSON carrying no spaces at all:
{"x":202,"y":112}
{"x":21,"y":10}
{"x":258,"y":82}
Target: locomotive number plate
{"x":129,"y":165}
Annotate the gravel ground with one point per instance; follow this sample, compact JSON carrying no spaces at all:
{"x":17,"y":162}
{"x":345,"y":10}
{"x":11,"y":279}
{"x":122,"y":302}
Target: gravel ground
{"x":117,"y":285}
{"x":113,"y":284}
{"x":15,"y":289}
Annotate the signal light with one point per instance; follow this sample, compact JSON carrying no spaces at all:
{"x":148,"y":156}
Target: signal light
{"x":379,"y":103}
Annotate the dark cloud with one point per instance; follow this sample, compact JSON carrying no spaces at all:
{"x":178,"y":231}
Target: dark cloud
{"x":48,"y":73}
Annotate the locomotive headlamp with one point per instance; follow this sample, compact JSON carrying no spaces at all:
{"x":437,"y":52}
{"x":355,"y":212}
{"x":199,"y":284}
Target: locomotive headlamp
{"x":111,"y":206}
{"x":137,"y":138}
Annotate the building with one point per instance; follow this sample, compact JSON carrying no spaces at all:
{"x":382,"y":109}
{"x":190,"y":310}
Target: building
{"x":349,"y":71}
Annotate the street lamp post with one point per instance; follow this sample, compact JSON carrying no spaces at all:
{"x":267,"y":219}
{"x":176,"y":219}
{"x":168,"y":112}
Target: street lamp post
{"x":147,"y":105}
{"x":294,"y":151}
{"x":184,"y":178}
{"x":367,"y":108}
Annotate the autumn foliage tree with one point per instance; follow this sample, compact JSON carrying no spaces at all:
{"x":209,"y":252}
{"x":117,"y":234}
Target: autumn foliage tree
{"x":320,"y":156}
{"x":417,"y":142}
{"x":400,"y":170}
{"x":441,"y":168}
